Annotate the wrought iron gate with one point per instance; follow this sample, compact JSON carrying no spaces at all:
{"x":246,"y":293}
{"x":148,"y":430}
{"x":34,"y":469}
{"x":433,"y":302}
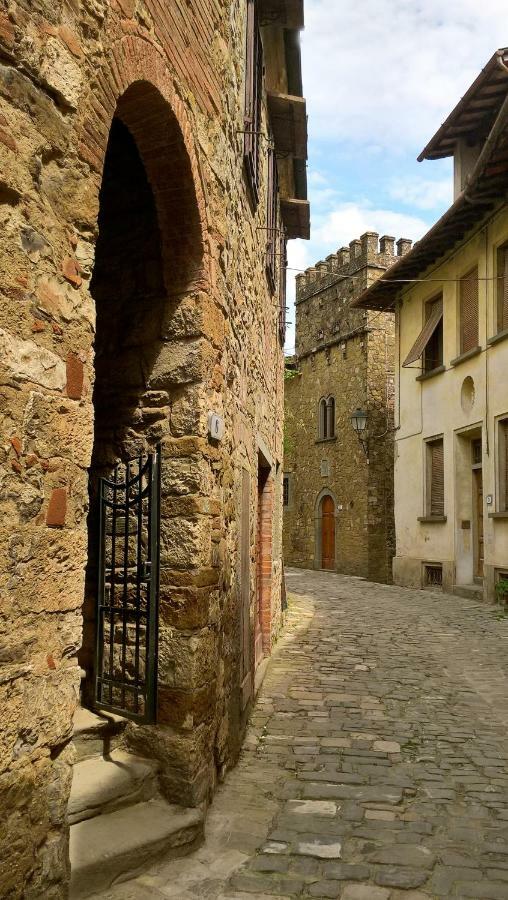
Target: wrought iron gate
{"x":128,"y":589}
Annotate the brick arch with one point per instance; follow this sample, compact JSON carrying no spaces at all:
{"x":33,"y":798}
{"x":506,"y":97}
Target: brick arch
{"x":136,"y":86}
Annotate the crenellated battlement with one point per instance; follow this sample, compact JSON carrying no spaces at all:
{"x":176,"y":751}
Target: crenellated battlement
{"x":368,"y":250}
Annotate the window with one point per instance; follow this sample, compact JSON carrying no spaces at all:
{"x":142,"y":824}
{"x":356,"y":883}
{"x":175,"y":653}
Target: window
{"x":429,"y":343}
{"x":282,"y":285}
{"x":502,"y":288}
{"x":326,"y":429}
{"x":433,"y":352}
{"x":468,"y":296}
{"x":503,"y":464}
{"x":322,"y":419}
{"x":272,"y":231}
{"x":253,"y":90}
{"x":330,"y":417}
{"x":285,"y":490}
{"x":435,"y":478}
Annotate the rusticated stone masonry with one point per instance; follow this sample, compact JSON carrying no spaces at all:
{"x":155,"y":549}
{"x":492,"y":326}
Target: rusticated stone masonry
{"x":347,"y":354}
{"x":133,"y":301}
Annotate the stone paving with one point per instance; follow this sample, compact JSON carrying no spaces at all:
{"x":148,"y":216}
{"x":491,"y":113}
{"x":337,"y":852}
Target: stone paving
{"x":375,"y":767}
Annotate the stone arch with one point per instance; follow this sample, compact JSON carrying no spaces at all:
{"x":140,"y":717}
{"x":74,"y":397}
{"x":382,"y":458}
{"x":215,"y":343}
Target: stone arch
{"x":318,"y":537}
{"x":150,"y":355}
{"x":135,"y":84}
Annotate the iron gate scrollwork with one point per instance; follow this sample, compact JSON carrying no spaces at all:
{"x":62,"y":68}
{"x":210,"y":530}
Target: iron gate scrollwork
{"x":128,"y":589}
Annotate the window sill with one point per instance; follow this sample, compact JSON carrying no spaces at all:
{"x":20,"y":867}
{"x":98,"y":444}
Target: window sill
{"x":427,"y":520}
{"x":326,"y":440}
{"x":469,"y":354}
{"x":497,"y":338}
{"x":425,"y":375}
{"x":503,"y":514}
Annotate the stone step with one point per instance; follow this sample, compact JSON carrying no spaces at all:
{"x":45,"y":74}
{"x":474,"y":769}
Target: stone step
{"x":118,"y":845}
{"x":103,"y":784}
{"x":96,"y":734}
{"x":469,"y":591}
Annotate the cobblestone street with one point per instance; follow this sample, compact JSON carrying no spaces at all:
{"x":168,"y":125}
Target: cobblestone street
{"x":375,"y":767}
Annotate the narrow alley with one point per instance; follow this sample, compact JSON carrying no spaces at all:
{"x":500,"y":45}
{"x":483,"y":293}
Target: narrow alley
{"x":375,"y":766}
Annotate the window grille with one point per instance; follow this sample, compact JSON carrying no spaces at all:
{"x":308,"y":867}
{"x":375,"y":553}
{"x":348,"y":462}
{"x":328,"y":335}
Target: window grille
{"x":433,"y":575}
{"x":253,"y":91}
{"x":285,"y":490}
{"x":469,"y":311}
{"x":476,"y":451}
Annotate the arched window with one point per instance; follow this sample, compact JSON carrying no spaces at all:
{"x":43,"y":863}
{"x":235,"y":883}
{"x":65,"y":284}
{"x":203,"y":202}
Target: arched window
{"x":322,"y":423}
{"x":330,"y":417}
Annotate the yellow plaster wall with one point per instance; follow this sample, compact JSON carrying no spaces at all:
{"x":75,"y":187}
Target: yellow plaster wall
{"x":433,"y":407}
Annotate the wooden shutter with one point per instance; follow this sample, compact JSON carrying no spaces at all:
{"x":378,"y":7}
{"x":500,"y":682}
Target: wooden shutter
{"x":469,"y":311}
{"x":253,"y":89}
{"x":272,"y":232}
{"x":437,"y":478}
{"x":433,"y":316}
{"x":502,"y":290}
{"x":504,"y":465}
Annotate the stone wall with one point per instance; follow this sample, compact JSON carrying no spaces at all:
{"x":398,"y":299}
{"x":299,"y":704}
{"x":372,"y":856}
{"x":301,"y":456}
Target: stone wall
{"x":346,"y":353}
{"x":153,"y":327}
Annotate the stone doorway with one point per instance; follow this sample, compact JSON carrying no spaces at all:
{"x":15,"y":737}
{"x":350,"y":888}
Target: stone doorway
{"x":138,"y":781}
{"x":470,"y":513}
{"x":129,"y":293}
{"x":327,"y":533}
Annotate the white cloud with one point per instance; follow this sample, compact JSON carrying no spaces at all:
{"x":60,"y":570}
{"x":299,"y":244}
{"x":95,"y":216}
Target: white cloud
{"x":388,"y":74}
{"x":422,"y":193}
{"x":350,"y":220}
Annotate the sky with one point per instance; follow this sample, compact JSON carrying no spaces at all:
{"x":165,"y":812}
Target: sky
{"x":379,"y":79}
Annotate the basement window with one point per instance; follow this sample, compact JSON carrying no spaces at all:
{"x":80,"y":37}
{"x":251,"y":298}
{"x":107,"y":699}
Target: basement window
{"x":433,"y":575}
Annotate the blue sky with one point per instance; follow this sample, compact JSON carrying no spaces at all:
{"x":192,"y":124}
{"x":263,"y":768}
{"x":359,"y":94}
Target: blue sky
{"x":379,"y":78}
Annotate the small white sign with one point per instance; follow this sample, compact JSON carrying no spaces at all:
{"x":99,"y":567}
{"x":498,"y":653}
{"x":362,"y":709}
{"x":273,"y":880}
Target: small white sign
{"x":215,"y":426}
{"x":489,"y":499}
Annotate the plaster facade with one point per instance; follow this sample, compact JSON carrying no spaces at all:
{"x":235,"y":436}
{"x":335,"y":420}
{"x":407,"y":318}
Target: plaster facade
{"x":134,"y":301}
{"x":465,"y":401}
{"x":348,"y":355}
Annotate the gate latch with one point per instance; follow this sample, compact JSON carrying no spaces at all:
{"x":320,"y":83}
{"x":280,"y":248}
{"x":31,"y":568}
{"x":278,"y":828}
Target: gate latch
{"x":146,"y":571}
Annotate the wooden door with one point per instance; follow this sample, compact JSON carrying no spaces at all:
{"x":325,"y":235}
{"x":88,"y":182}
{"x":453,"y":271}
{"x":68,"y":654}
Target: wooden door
{"x":327,"y":533}
{"x":479,"y":542}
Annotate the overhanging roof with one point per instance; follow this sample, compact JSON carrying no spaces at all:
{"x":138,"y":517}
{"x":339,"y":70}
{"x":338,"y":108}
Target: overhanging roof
{"x":486,"y":189}
{"x":296,"y":218}
{"x":474,"y":115}
{"x":288,"y":118}
{"x":288,"y":13}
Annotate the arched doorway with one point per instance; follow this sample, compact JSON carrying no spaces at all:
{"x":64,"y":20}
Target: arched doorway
{"x":148,"y":263}
{"x":327,"y":517}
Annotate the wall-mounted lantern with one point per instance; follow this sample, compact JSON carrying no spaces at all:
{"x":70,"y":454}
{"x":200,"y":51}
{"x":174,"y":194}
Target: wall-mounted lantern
{"x":359,"y":423}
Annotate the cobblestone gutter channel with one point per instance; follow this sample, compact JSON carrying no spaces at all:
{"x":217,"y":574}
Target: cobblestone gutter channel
{"x":375,"y":763}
